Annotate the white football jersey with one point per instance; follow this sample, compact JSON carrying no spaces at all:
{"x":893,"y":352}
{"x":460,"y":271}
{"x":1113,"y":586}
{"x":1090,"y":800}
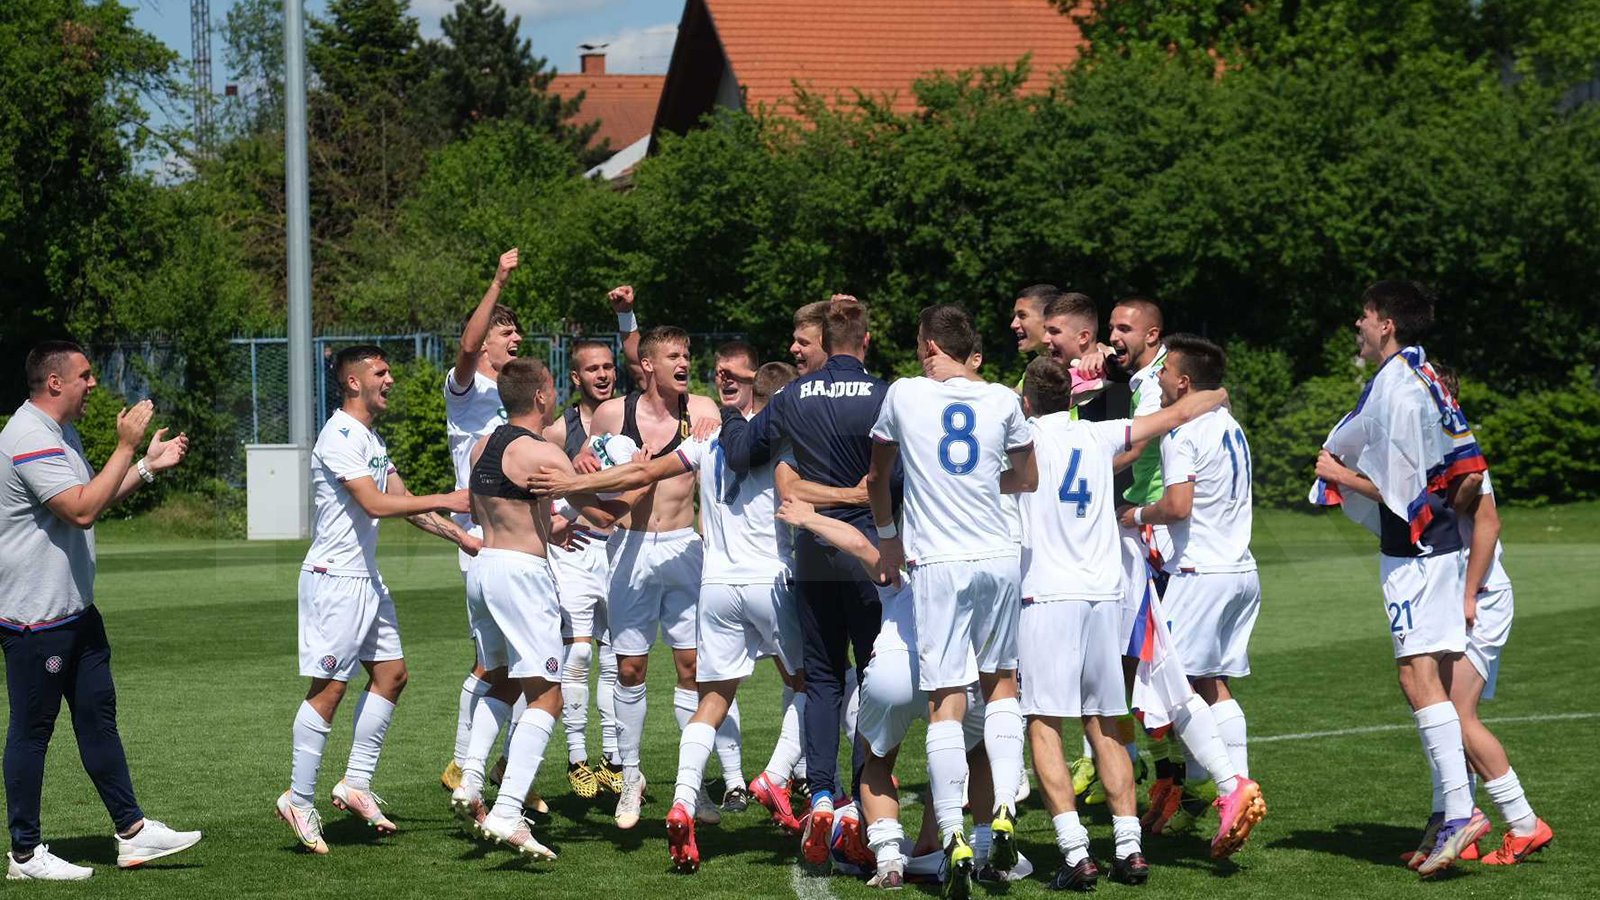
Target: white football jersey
{"x":469,"y":414}
{"x":1497,"y":579}
{"x":899,"y":628}
{"x":737,"y":517}
{"x":953,"y":437}
{"x":1211,"y":452}
{"x":1073,"y":548}
{"x":344,"y":539}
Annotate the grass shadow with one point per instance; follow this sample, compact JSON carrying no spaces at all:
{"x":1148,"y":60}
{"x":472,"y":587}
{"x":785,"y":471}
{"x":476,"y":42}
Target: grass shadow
{"x":1373,"y":842}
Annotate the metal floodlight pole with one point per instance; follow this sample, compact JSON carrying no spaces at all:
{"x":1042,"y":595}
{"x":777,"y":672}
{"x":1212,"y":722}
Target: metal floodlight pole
{"x":301,"y":425}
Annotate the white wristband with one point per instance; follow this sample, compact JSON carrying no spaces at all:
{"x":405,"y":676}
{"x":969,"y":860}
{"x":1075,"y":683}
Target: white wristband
{"x":145,"y":473}
{"x":885,"y":532}
{"x":627,"y":322}
{"x":1138,"y":515}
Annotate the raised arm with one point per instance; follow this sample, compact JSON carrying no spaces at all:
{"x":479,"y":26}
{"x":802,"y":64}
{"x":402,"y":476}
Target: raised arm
{"x":621,"y":298}
{"x":791,"y":485}
{"x":477,"y":327}
{"x":82,"y":504}
{"x":1191,"y":407}
{"x":747,"y":443}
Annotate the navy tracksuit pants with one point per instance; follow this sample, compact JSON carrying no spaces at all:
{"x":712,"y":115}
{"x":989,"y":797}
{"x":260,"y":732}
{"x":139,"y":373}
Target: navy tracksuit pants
{"x":839,"y":612}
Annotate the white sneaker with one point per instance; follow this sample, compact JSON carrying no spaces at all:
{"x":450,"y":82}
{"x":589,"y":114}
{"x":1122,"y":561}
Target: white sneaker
{"x":517,"y":834}
{"x":629,"y":801}
{"x":305,"y":822}
{"x":469,"y":807}
{"x":706,"y":812}
{"x":153,"y":841}
{"x":45,"y":866}
{"x":364,"y":804}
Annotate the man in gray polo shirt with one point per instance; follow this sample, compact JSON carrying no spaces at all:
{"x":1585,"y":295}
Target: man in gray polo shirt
{"x":54,"y":639}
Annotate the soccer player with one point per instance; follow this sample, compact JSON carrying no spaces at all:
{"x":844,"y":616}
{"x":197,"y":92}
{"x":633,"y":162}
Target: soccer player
{"x":806,"y":344}
{"x":656,"y":556}
{"x":1027,"y":319}
{"x":54,"y":638}
{"x":963,"y":567}
{"x":1409,"y":437}
{"x":584,"y":573}
{"x":347,"y":618}
{"x":824,"y":417}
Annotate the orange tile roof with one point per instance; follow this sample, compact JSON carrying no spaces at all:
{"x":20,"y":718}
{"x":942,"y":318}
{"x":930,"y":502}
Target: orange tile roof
{"x":881,"y":46}
{"x":624,"y":104}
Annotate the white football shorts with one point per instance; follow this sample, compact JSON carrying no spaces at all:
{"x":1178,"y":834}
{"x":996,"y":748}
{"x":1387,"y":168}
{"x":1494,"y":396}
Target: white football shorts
{"x":1211,"y":615}
{"x":1070,"y":659}
{"x":891,"y":700}
{"x":516,"y":617}
{"x":345,"y":620}
{"x":1422,"y":597}
{"x":655,"y":582}
{"x":738,"y":624}
{"x":966,"y":615}
{"x":1489,"y":635}
{"x":581,"y":579}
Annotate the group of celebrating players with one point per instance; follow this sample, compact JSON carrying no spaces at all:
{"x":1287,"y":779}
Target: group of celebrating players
{"x":937,"y":547}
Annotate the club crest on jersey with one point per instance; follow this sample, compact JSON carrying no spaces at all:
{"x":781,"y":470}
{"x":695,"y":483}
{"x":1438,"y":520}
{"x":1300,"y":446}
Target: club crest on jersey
{"x":329,"y":663}
{"x":53,"y":665}
{"x":345,"y":432}
{"x":836,"y":389}
{"x":550,"y":665}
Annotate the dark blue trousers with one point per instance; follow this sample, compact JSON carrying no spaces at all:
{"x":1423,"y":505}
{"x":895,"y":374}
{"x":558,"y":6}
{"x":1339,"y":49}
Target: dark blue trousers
{"x":839,"y":612}
{"x":69,"y":662}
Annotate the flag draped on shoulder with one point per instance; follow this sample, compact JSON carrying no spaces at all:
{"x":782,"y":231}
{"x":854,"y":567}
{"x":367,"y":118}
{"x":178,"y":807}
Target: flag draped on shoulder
{"x":1160,"y":686}
{"x":1408,"y":435}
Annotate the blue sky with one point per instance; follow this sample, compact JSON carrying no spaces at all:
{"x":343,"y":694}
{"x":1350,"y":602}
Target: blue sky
{"x":640,"y":31}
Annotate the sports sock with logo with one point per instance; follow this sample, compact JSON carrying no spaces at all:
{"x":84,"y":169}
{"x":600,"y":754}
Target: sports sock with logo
{"x":1231,"y":725}
{"x":1197,"y":728}
{"x":1506,"y":792}
{"x":575,"y":699}
{"x":1441,"y":737}
{"x":631,"y":705}
{"x":471,"y":689}
{"x":1071,"y":837}
{"x":947,"y":773}
{"x":730,"y":750}
{"x":523,"y":756}
{"x":310,"y":737}
{"x":694,"y":749}
{"x":373,"y":715}
{"x":1002,"y":738}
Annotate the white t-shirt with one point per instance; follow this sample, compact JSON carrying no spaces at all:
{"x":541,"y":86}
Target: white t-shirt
{"x":1497,"y":579}
{"x":899,"y":629}
{"x":953,"y":437}
{"x":1211,"y":452}
{"x":1073,"y":549}
{"x":344,"y":540}
{"x":737,"y":517}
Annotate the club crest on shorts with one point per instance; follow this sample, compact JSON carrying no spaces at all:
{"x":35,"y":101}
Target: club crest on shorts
{"x":329,"y":663}
{"x":53,"y":665}
{"x":550,"y":665}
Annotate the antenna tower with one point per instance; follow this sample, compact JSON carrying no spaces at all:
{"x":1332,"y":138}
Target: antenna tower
{"x":200,"y":37}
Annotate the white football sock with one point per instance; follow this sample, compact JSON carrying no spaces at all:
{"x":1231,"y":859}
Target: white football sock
{"x":1126,"y":830}
{"x":488,"y":717}
{"x":518,"y":707}
{"x":471,"y":689}
{"x":1506,"y":792}
{"x":1433,"y":774}
{"x":786,"y":753}
{"x":1230,"y":724}
{"x":373,"y":714}
{"x":630,"y":704}
{"x":694,"y":748}
{"x":684,"y":703}
{"x":1088,"y":748}
{"x":1002,"y":738}
{"x":523,"y":756}
{"x":1071,"y":837}
{"x":885,"y":837}
{"x":947,"y":773}
{"x":1441,"y":737}
{"x":575,"y":699}
{"x":310,"y":736}
{"x":730,"y":749}
{"x":1202,"y":745}
{"x":852,"y":707}
{"x":605,"y":700}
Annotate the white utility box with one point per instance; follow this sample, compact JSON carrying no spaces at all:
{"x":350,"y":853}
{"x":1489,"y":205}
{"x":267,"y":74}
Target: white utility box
{"x":278,"y":492}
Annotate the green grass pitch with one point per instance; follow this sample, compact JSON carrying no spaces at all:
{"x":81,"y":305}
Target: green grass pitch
{"x":204,"y":639}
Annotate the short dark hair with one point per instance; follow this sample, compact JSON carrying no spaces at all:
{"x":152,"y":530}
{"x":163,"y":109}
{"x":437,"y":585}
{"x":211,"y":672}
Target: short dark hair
{"x":1408,"y":304}
{"x":845,"y":327}
{"x":349,"y":356}
{"x":772,"y":376}
{"x":500,"y":317}
{"x":731,"y":349}
{"x":812,"y":314}
{"x":1201,"y":360}
{"x":1047,"y":385}
{"x":1039,"y":295}
{"x":951,"y":328}
{"x":583,"y":344}
{"x":1146,"y":306}
{"x":1447,"y":377}
{"x":1074,"y":305}
{"x":521,"y":378}
{"x":661,"y":334}
{"x":46,"y":359}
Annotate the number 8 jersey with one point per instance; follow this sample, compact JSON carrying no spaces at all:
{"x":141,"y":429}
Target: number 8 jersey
{"x":1211,"y":452}
{"x":954,"y":436}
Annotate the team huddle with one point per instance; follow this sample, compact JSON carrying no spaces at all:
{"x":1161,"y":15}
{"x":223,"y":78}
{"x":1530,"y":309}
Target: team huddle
{"x":994,"y":560}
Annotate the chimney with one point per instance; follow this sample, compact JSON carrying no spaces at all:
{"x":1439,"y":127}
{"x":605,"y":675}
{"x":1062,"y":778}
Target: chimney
{"x":593,"y":62}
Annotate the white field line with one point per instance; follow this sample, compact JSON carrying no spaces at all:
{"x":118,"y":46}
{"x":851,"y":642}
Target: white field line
{"x":808,"y":887}
{"x":1374,"y":729}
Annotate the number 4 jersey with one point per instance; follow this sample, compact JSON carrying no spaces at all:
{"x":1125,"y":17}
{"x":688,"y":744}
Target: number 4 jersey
{"x":954,"y":436}
{"x":1071,"y":547}
{"x":1212,"y":453}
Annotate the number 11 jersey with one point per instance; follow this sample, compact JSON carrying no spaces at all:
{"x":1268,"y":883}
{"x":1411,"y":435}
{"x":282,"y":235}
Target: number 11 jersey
{"x":1211,"y":452}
